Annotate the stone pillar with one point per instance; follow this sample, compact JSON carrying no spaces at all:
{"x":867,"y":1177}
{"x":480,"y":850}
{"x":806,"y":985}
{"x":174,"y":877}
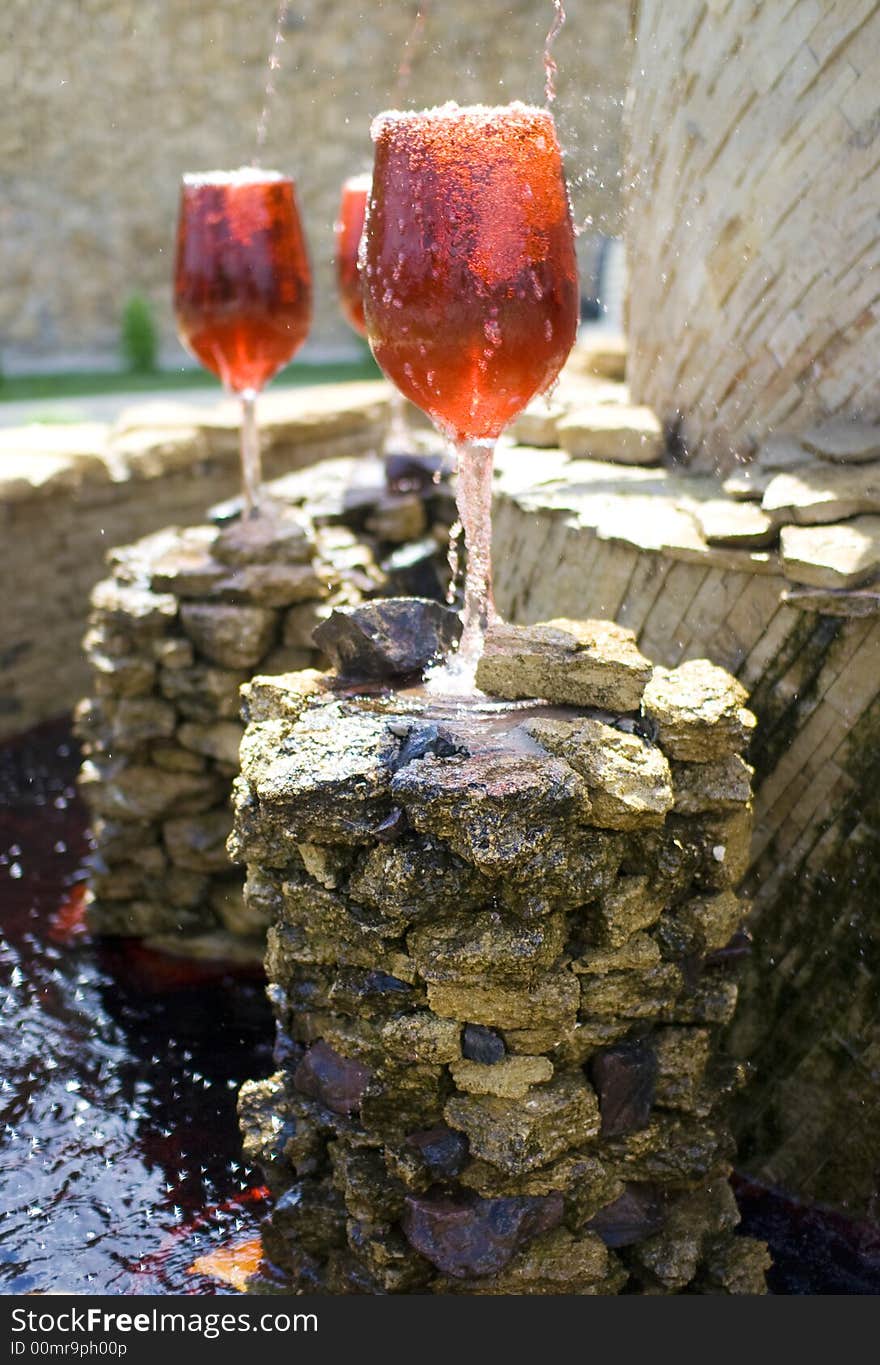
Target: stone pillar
{"x":184,"y":619}
{"x":751,"y":226}
{"x":502,"y":942}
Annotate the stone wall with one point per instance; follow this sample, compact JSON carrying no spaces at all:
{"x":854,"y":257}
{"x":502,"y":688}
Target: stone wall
{"x":184,"y":619}
{"x":497,"y":964}
{"x":752,"y":182}
{"x":774,"y":574}
{"x":69,"y":494}
{"x":109,"y":101}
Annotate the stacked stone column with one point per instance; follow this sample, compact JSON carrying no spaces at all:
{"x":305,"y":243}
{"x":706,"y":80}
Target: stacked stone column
{"x":501,"y":946}
{"x":186,"y":617}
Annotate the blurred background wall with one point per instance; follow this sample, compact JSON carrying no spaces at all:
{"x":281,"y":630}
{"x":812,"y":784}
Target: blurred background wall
{"x":109,"y":101}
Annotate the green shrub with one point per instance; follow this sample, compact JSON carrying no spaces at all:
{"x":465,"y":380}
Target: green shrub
{"x":140,"y":341}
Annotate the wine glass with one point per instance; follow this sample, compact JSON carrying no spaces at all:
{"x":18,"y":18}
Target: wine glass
{"x":242,"y":288}
{"x":470,"y":291}
{"x":348,"y":230}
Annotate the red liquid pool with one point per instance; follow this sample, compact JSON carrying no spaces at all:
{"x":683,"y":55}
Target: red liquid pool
{"x":242,"y":283}
{"x":471,"y":290}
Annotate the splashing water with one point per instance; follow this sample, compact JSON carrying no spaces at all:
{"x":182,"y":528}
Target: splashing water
{"x":411,"y":45}
{"x":274,"y":67}
{"x":457,"y":675}
{"x":550,"y":67}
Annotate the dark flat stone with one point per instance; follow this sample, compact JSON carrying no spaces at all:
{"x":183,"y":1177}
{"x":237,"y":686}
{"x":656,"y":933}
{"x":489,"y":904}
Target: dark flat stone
{"x":482,"y":1044}
{"x":624,"y":1077}
{"x":389,"y":638}
{"x":477,"y":1236}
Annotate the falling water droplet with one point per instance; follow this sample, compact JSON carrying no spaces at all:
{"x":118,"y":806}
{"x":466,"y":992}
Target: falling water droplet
{"x":550,"y":67}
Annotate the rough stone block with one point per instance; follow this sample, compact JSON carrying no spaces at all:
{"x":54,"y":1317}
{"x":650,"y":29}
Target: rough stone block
{"x":510,"y":1079}
{"x":497,"y":810}
{"x":628,"y":780}
{"x":521,"y":1135}
{"x":577,"y":663}
{"x":551,"y":1000}
{"x":422,"y":1037}
{"x":233,"y":637}
{"x":724,"y":785}
{"x":699,"y":711}
{"x":486,"y":946}
{"x":842,"y":556}
{"x":624,"y":435}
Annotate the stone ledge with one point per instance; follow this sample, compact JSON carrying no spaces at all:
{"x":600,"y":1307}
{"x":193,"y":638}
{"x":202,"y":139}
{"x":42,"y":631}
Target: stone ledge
{"x":155,"y":438}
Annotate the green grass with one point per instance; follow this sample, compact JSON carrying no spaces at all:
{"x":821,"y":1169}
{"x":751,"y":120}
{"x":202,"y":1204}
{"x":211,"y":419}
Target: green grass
{"x":87,"y":383}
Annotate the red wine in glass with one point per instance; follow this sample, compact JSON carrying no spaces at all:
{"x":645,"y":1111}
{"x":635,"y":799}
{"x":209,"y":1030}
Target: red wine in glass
{"x":470,"y":289}
{"x":349,"y":228}
{"x":242,"y":287}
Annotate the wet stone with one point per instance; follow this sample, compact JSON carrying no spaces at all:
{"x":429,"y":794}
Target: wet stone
{"x":397,"y":518}
{"x":639,"y":1212}
{"x":571,"y":868}
{"x":326,"y":780}
{"x":703,"y":924}
{"x":624,"y":1078}
{"x":699,"y":711}
{"x":386,"y":639}
{"x":494,"y":810}
{"x":630,"y":994}
{"x":233,"y":637}
{"x":720,"y":786}
{"x":335,"y":1082}
{"x":630,"y":906}
{"x":132,"y":609}
{"x":284,"y":697}
{"x":441,"y":1152}
{"x":628,"y":780}
{"x":579,"y":1175}
{"x":487,"y":1003}
{"x":146,"y":793}
{"x":475,"y":1237}
{"x":682,"y":1057}
{"x":481,"y":1044}
{"x":547,"y":1002}
{"x":578,"y":663}
{"x":422,"y":1037}
{"x":123,"y":676}
{"x":414,"y":876}
{"x":187,"y":571}
{"x":519,"y":1136}
{"x":401,"y":1095}
{"x":487,"y":945}
{"x":558,"y":1263}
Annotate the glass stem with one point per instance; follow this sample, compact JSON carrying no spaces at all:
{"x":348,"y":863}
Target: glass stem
{"x":474,"y":501}
{"x":251,"y":464}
